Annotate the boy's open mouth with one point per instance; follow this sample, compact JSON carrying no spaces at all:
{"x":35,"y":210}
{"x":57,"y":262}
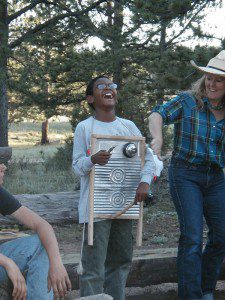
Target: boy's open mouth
{"x":108,"y":96}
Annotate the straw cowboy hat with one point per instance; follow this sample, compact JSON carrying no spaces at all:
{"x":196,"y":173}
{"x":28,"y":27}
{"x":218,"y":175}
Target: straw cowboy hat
{"x":216,"y":65}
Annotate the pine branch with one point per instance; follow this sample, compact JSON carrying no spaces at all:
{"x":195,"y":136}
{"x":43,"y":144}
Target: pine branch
{"x":32,"y":5}
{"x":187,"y":25}
{"x":53,"y":21}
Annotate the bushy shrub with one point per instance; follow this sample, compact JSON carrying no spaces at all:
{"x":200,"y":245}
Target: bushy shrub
{"x":62,"y":159}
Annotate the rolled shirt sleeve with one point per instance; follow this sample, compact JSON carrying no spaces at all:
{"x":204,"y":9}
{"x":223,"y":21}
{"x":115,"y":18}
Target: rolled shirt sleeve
{"x":8,"y":203}
{"x":171,"y":111}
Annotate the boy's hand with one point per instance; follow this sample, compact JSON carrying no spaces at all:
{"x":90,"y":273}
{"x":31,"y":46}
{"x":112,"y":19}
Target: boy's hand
{"x":142,"y":191}
{"x":101,"y":157}
{"x":18,"y":281}
{"x":2,"y":171}
{"x":59,"y":281}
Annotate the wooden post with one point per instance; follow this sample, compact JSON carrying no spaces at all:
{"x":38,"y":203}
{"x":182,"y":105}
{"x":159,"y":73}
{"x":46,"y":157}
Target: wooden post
{"x":91,"y":199}
{"x":44,"y":133}
{"x":140,"y":220}
{"x":140,"y":227}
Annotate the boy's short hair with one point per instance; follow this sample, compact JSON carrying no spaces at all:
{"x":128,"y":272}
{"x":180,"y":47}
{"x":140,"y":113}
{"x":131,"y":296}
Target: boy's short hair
{"x":90,"y":86}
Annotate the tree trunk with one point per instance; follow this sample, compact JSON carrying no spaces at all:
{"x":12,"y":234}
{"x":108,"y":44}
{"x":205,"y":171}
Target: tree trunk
{"x":109,"y":11}
{"x":44,"y":133}
{"x":3,"y":74}
{"x":162,"y":43}
{"x":162,"y":47}
{"x":117,"y":42}
{"x":5,"y":154}
{"x":117,"y":48}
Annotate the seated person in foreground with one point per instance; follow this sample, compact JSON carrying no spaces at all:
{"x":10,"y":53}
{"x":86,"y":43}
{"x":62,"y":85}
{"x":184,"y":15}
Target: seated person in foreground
{"x":38,"y":255}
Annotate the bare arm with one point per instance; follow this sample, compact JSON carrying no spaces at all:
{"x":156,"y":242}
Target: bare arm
{"x":12,"y":270}
{"x":57,"y":278}
{"x":155,"y":128}
{"x":18,"y":281}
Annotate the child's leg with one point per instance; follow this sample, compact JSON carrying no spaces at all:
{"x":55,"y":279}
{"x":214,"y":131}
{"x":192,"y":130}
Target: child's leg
{"x":29,"y":255}
{"x":93,"y":260}
{"x":119,"y":258}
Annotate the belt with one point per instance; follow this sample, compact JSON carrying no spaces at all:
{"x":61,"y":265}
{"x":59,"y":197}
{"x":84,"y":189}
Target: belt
{"x":204,"y":167}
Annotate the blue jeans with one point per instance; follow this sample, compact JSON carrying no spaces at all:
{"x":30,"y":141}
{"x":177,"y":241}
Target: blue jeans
{"x":198,"y":191}
{"x":107,"y":263}
{"x":30,"y":256}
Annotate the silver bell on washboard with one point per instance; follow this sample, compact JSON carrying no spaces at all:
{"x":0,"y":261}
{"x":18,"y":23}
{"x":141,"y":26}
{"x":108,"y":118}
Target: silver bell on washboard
{"x":113,"y":186}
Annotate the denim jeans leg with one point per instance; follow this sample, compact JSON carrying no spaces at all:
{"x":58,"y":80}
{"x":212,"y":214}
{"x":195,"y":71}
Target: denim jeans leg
{"x":30,"y":256}
{"x":188,"y":200}
{"x":208,"y":296}
{"x":93,"y":260}
{"x":119,"y":258}
{"x":214,"y":211}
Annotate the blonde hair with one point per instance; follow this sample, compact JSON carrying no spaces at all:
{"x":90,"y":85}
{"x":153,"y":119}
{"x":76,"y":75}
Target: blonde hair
{"x":199,"y":92}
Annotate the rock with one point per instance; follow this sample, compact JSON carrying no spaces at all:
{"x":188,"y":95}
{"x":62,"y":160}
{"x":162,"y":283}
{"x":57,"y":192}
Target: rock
{"x":97,"y":297}
{"x":165,"y":291}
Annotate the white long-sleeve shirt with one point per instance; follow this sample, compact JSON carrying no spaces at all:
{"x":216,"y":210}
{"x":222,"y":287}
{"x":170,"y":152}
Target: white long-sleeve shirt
{"x":82,"y":164}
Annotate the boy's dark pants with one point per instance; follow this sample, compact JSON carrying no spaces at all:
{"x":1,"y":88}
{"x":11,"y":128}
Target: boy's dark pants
{"x":107,"y":263}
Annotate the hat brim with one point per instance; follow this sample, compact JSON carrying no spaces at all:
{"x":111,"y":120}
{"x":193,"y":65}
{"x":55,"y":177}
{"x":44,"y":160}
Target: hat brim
{"x":208,"y":69}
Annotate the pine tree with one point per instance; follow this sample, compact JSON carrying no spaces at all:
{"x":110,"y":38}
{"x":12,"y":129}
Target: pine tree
{"x":19,"y":25}
{"x":142,"y":49}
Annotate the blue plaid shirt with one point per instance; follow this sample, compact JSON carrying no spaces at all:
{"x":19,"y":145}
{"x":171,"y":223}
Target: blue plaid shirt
{"x":198,"y":137}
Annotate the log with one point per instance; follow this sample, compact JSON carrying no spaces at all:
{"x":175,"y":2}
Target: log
{"x":59,"y":208}
{"x":149,"y":267}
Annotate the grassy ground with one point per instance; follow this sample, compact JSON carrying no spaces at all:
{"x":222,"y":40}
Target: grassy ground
{"x":30,"y":170}
{"x":28,"y":134}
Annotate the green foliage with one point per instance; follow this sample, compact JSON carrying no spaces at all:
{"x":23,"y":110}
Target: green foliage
{"x":167,"y":139}
{"x":62,"y":159}
{"x":49,"y":69}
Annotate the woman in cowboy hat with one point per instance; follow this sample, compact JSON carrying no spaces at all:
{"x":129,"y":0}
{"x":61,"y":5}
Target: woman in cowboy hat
{"x":196,"y":176}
